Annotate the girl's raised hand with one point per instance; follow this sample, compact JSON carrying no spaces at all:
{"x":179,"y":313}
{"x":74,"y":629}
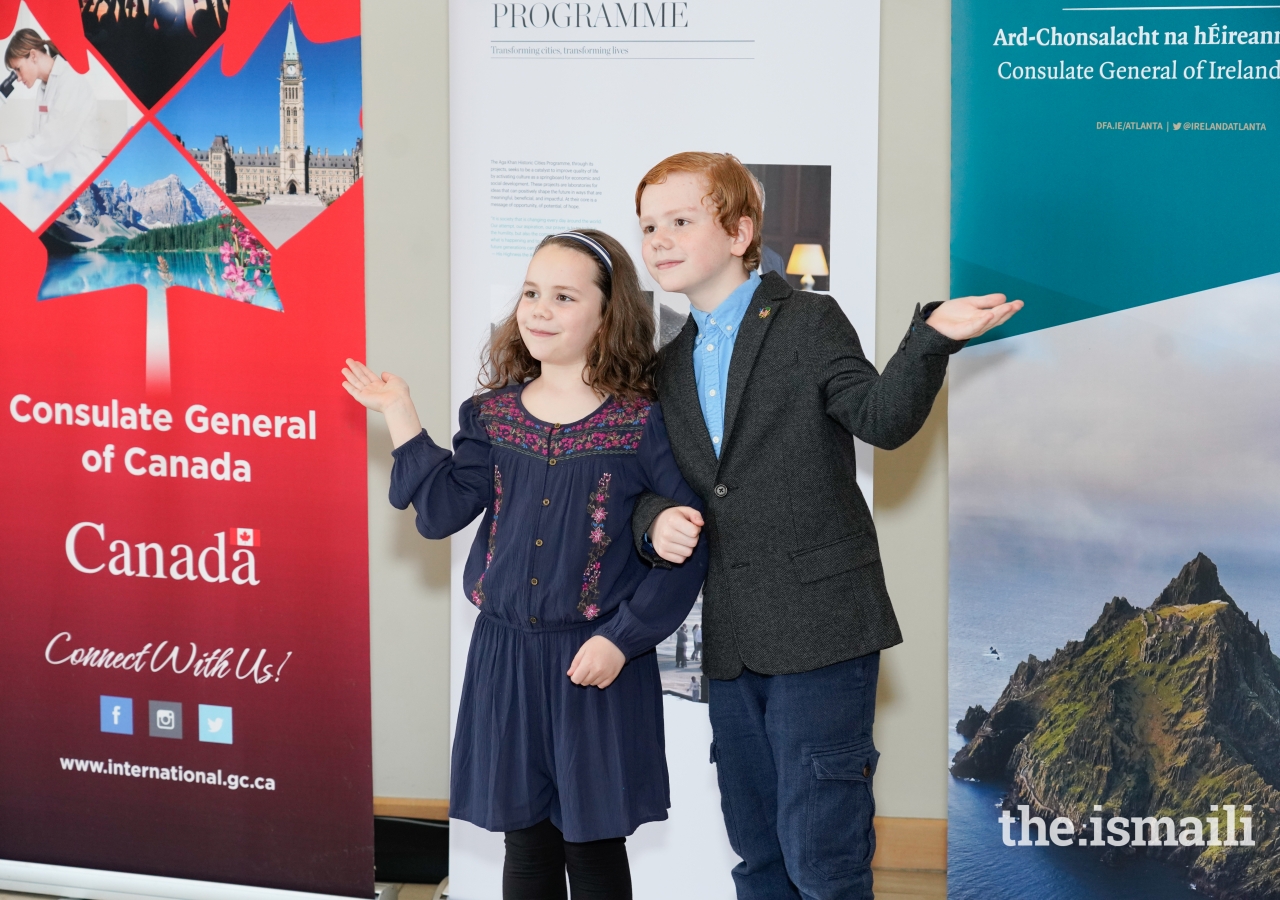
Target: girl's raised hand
{"x":377,"y":392}
{"x":597,"y":663}
{"x":387,"y":394}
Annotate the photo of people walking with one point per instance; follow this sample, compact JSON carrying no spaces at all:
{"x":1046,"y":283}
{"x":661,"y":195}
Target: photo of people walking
{"x":680,"y":659}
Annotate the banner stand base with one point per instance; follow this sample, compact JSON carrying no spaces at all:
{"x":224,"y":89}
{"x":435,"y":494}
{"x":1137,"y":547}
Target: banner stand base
{"x":101,"y":884}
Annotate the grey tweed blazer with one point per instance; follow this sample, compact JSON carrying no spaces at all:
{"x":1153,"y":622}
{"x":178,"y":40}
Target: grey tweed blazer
{"x":795,"y":581}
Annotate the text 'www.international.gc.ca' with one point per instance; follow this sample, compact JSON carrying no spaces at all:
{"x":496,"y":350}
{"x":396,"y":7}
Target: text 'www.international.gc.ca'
{"x":168,"y":773}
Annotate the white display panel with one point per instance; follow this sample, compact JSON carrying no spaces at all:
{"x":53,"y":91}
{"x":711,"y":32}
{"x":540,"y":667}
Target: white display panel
{"x":557,"y":111}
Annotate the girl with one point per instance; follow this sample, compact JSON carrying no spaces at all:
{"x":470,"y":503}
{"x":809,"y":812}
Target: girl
{"x":64,"y":124}
{"x":559,"y":739}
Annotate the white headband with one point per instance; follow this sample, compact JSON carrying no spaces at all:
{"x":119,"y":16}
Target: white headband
{"x":592,"y":245}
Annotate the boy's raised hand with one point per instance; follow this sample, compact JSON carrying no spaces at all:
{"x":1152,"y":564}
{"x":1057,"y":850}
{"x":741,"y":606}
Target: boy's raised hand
{"x":387,"y":394}
{"x":597,"y":663}
{"x":968,"y":317}
{"x":674,"y":533}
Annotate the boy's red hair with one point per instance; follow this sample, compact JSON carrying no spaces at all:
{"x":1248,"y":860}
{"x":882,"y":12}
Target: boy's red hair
{"x":731,"y":190}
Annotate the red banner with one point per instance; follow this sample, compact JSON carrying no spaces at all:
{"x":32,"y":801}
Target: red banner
{"x":183,"y":562}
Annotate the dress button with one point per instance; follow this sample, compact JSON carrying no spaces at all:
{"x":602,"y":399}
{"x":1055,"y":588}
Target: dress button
{"x":551,"y":463}
{"x":538,"y":542}
{"x":533,"y":581}
{"x":721,"y":490}
{"x":533,"y":620}
{"x":866,"y":771}
{"x":546,"y":502}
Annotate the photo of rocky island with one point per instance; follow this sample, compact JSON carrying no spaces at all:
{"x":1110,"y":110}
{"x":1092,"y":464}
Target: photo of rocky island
{"x":1169,"y":711}
{"x":1114,"y":712}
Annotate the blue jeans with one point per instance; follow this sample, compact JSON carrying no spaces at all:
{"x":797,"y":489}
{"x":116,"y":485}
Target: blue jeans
{"x":795,"y":761}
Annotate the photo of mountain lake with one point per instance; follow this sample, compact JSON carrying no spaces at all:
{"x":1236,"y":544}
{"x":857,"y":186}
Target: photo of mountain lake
{"x":152,"y":220}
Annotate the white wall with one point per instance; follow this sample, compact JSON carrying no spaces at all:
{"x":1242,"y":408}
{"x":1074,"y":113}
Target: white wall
{"x":914,"y":239}
{"x":407,"y":243}
{"x":406,"y":119}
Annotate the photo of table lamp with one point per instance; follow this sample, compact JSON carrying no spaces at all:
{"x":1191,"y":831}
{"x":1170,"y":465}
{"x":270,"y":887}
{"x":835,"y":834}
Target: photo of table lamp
{"x":807,"y":260}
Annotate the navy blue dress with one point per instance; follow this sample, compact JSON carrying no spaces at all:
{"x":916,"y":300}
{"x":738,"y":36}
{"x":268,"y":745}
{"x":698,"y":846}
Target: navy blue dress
{"x":553,"y":564}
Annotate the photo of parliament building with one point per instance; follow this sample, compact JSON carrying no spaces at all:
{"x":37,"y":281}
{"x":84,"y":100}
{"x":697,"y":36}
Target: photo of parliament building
{"x":292,"y":168}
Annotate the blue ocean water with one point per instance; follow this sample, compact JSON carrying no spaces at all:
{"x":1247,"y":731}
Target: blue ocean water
{"x":981,"y":867}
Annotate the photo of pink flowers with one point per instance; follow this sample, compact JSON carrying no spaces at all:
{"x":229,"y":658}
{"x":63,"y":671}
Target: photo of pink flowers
{"x":246,"y":263}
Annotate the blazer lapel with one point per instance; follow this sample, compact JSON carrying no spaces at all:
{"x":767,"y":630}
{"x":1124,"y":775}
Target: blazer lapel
{"x":684,"y":416}
{"x":755,"y":324}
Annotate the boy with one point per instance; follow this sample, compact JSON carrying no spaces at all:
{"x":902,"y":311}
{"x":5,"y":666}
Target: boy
{"x":763,"y":391}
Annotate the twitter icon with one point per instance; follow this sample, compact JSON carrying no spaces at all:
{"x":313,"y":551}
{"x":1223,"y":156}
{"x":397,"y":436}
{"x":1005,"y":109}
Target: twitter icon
{"x":215,"y":724}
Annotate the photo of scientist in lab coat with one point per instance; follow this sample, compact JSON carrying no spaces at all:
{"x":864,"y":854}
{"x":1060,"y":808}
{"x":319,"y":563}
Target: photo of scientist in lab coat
{"x":57,"y":125}
{"x":65,"y":124}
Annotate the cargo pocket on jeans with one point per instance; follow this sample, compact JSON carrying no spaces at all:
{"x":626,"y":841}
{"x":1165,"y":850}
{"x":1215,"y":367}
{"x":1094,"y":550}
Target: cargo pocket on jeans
{"x":730,"y":822}
{"x":840,"y":838}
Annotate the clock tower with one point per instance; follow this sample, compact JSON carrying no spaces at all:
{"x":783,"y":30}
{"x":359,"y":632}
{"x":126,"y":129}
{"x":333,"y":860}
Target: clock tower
{"x":293,"y":146}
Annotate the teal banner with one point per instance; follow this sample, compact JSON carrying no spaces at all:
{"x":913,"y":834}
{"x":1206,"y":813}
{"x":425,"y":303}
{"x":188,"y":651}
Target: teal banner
{"x":1115,"y":454}
{"x":1103,"y":158}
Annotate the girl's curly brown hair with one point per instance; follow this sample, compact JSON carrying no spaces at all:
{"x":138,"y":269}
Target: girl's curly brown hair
{"x":621,"y":361}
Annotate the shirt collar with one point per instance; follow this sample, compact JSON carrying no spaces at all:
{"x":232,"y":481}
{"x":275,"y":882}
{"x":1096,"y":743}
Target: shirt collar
{"x":729,"y":313}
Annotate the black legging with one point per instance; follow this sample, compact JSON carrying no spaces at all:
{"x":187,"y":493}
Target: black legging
{"x":538,"y":856}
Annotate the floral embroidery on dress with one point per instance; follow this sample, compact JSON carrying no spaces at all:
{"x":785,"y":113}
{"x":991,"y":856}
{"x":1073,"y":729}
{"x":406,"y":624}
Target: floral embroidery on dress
{"x":614,"y":415}
{"x":508,"y":425}
{"x":614,"y":428}
{"x":477,"y":592}
{"x":598,"y":440}
{"x":597,"y":512}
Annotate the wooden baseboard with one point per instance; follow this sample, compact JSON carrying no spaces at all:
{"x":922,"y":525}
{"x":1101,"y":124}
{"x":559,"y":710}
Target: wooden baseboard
{"x":903,"y":843}
{"x":411,"y":808}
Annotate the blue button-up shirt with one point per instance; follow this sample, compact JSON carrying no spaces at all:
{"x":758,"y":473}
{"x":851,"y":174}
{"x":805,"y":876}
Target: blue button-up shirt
{"x":712,"y":351}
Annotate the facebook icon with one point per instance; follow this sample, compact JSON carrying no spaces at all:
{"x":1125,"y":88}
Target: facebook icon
{"x":116,"y":714}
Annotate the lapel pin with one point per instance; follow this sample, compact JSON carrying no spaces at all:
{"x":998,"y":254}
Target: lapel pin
{"x":764,"y":313}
